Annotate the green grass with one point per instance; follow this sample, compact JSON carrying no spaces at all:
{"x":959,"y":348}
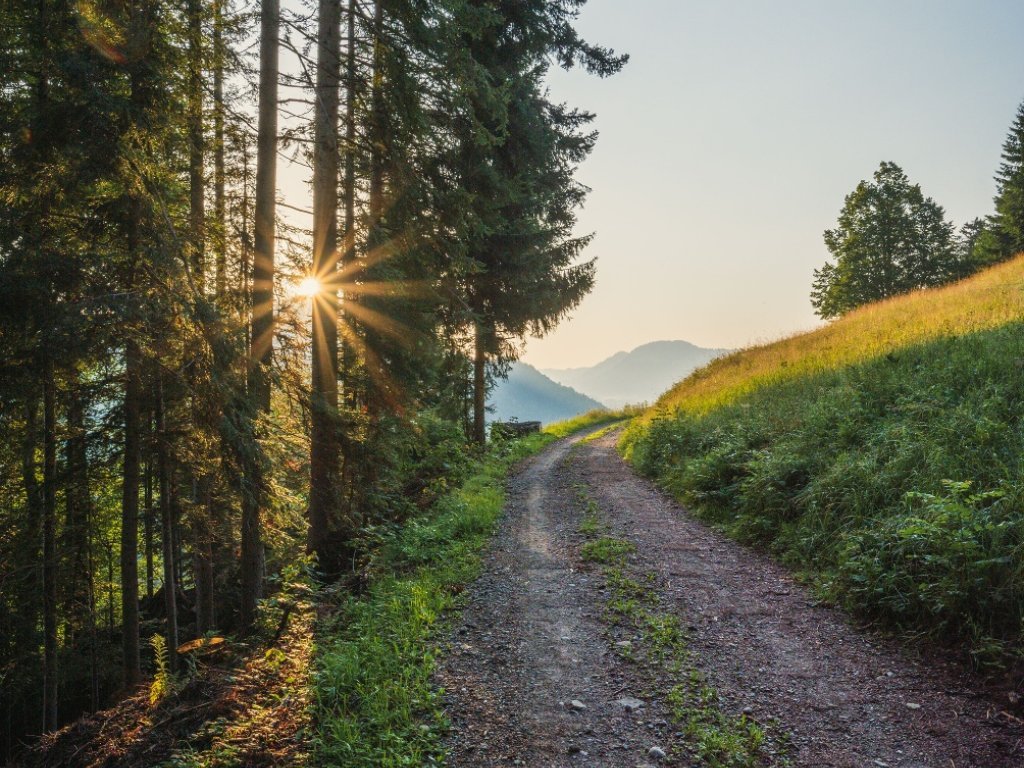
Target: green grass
{"x":890,"y":473}
{"x":375,"y":705}
{"x":607,"y":550}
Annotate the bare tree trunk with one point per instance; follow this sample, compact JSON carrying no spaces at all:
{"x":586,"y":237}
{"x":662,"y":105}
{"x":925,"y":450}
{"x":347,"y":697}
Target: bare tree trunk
{"x":94,"y":673}
{"x":130,"y":518}
{"x":202,"y":563}
{"x":148,"y":504}
{"x":202,"y":558}
{"x":109,"y":546}
{"x":479,"y":386}
{"x":197,"y":213}
{"x":77,"y":503}
{"x":49,"y":548}
{"x":261,"y":343}
{"x":324,"y":496}
{"x":167,"y":518}
{"x":348,"y":255}
{"x":244,"y":252}
{"x":219,"y":199}
{"x":377,"y":131}
{"x":141,"y":97}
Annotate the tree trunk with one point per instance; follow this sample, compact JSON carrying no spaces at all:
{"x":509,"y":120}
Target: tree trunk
{"x":202,"y":563}
{"x":197,"y":214}
{"x":348,"y":256}
{"x":244,"y":253}
{"x":261,"y":343}
{"x":49,"y":548}
{"x":219,"y":198}
{"x":167,"y":519}
{"x":130,"y":518}
{"x":324,"y":496}
{"x":141,"y":97}
{"x":78,"y":501}
{"x":109,"y":546}
{"x":479,"y":386}
{"x":377,"y":130}
{"x":94,"y":674}
{"x":149,"y":513}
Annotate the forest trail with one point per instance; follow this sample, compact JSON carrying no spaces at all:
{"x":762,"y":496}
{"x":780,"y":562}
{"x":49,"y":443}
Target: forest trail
{"x":537,"y":677}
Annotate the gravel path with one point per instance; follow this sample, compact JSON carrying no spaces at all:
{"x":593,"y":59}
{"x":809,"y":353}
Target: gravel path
{"x":532,"y":642}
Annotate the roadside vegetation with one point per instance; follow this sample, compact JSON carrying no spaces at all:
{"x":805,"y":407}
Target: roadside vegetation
{"x":881,"y":455}
{"x":591,"y":419}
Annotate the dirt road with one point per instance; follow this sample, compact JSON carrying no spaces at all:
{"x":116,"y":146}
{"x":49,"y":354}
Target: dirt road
{"x":536,"y":676}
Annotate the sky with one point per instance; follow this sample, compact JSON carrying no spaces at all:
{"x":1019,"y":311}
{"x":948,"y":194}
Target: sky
{"x":729,"y":141}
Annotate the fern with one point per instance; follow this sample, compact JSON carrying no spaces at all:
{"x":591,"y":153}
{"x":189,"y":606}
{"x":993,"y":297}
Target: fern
{"x":163,"y":680}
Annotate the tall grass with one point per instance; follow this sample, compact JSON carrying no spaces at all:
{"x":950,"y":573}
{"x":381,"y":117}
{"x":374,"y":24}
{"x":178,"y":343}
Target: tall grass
{"x":882,"y":455}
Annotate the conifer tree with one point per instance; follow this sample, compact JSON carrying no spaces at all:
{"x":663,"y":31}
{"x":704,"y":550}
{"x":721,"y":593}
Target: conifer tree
{"x":1003,"y":235}
{"x":518,"y":173}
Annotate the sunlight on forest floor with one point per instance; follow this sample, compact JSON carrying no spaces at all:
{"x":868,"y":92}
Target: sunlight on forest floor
{"x":242,"y":706}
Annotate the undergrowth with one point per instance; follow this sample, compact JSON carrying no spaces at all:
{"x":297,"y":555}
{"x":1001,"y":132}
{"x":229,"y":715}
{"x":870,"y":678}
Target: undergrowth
{"x":712,"y":736}
{"x":375,"y":705}
{"x":895,"y":483}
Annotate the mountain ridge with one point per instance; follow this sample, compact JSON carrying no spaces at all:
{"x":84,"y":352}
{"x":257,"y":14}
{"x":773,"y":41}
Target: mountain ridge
{"x":528,"y":395}
{"x":637,"y":376}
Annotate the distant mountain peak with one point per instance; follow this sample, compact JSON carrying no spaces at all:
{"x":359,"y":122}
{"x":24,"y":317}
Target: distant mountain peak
{"x":637,"y":376}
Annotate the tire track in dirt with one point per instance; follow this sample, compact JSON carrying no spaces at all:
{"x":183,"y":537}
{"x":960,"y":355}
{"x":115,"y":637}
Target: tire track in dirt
{"x":531,"y":642}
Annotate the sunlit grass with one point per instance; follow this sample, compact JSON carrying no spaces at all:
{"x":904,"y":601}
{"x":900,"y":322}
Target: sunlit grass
{"x":593,"y":418}
{"x":988,"y":300}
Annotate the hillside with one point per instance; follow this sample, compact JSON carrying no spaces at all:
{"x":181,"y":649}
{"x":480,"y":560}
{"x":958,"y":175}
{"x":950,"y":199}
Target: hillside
{"x":880,"y":455}
{"x":529,"y":395}
{"x":988,"y":300}
{"x":638,"y":376}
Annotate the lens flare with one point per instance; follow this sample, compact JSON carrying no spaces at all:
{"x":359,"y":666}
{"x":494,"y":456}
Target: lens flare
{"x":308,"y":287}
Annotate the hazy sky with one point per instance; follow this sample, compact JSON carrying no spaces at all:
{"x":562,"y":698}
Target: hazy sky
{"x":730,"y":139}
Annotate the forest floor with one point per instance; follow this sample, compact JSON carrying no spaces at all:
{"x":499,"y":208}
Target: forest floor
{"x":611,"y":628}
{"x":246,"y":706}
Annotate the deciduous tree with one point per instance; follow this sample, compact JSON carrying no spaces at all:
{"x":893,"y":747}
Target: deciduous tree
{"x":890,"y":239}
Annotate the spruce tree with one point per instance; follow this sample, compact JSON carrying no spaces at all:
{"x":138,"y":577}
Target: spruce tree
{"x":515,"y":156}
{"x":1004,"y":237}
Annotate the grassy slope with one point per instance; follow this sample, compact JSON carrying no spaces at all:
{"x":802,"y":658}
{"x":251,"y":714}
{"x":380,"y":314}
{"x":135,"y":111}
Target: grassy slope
{"x":374,"y":702}
{"x":988,"y":300}
{"x":882,"y":454}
